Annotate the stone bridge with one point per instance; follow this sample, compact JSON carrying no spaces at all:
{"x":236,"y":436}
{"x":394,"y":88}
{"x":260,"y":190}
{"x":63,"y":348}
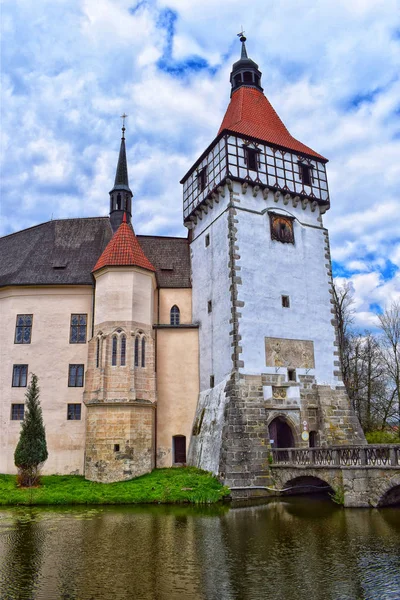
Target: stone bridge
{"x":358,"y":476}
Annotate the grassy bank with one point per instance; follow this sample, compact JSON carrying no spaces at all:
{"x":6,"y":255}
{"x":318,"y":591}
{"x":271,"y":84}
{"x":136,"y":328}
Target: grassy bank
{"x":382,"y":437}
{"x":163,"y":486}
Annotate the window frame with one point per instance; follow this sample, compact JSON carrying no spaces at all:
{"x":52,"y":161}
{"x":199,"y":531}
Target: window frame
{"x":285,"y":301}
{"x":114,"y":350}
{"x":306,"y":173}
{"x":72,"y":415}
{"x":251,"y":154}
{"x":175,"y":315}
{"x":122,"y":353}
{"x":136,"y":351}
{"x":24,"y":327}
{"x":143,"y":352}
{"x":202,"y":179}
{"x":14,"y":405}
{"x":74,"y":378}
{"x":78,"y":327}
{"x":18,"y":377}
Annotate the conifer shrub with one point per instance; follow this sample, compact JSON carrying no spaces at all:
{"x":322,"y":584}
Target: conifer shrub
{"x":31,"y":451}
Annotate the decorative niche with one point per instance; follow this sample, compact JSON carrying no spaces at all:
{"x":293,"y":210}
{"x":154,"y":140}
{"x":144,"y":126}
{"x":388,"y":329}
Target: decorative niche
{"x":281,"y":228}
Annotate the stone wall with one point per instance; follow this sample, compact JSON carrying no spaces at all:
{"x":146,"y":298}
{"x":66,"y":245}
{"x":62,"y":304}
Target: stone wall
{"x":119,"y":441}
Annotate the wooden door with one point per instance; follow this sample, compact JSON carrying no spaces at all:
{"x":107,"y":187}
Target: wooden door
{"x":179,"y":448}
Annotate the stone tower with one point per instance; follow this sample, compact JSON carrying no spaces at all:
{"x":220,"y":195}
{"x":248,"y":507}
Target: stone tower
{"x":262,"y":291}
{"x":120,"y":383}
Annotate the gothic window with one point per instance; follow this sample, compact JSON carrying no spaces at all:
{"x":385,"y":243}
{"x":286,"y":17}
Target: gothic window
{"x":175,"y":315}
{"x":23,"y":329}
{"x":17,"y":412}
{"x":281,"y":228}
{"x":74,"y":412}
{"x":75,"y":376}
{"x":114,"y":351}
{"x":251,"y":157}
{"x":202,"y":179}
{"x":77,"y":333}
{"x":123,"y":351}
{"x":137,"y":351}
{"x":143,"y":352}
{"x":305,"y":173}
{"x":97,"y":353}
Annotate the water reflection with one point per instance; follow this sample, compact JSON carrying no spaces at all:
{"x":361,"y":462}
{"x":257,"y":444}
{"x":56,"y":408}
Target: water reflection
{"x":301,"y":547}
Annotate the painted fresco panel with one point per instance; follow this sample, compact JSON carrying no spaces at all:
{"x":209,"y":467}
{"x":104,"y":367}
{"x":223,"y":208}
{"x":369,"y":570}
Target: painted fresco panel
{"x":298,"y":354}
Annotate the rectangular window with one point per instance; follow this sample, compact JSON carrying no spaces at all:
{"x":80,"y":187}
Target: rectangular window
{"x":23,"y":329}
{"x":17,"y":412}
{"x":212,"y":381}
{"x":202,"y":179}
{"x":209,"y":306}
{"x":305,"y":173}
{"x":291,"y":374}
{"x":74,"y":412}
{"x":75,"y":376}
{"x":20,"y":375}
{"x":207,"y":242}
{"x":78,"y":329}
{"x":285,"y":301}
{"x":251,"y":159}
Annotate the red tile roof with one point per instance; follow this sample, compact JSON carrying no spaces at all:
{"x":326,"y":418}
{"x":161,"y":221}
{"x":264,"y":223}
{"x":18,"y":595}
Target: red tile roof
{"x":251,"y":114}
{"x":123,"y":250}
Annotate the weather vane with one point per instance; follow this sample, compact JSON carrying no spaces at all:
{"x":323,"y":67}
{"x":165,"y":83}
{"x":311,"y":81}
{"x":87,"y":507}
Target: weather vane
{"x":241,"y":35}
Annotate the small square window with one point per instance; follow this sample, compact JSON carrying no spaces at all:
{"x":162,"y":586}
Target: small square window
{"x":74,"y":412}
{"x":23,"y":329}
{"x":17,"y":412}
{"x":207,"y":240}
{"x":75,"y":376}
{"x":20,"y":375}
{"x":77,"y":333}
{"x":116,"y":447}
{"x":291,"y":374}
{"x":212,"y":381}
{"x":209,"y":306}
{"x":285,"y":301}
{"x":202,"y":179}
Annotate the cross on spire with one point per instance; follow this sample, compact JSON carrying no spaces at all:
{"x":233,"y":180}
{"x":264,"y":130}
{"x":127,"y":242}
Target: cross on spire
{"x":123,"y":117}
{"x":241,"y":35}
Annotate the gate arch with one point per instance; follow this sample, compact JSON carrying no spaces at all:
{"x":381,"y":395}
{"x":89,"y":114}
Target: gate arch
{"x":282,"y":431}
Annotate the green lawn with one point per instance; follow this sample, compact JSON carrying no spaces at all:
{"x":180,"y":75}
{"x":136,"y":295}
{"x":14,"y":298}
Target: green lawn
{"x":162,"y":486}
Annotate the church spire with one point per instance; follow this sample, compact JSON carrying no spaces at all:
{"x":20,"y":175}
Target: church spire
{"x":245,"y":71}
{"x":121,"y":194}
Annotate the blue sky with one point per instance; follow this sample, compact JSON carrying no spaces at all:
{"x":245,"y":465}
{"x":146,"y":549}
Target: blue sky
{"x":330,"y":68}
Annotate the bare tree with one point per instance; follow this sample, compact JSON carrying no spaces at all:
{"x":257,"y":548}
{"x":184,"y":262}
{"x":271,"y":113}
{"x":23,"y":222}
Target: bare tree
{"x":389,"y":324}
{"x":343,"y":301}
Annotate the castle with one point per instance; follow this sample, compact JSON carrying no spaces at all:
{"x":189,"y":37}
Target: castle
{"x":206,"y":350}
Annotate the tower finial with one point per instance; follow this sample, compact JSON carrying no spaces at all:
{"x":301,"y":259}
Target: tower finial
{"x":243,"y":38}
{"x":123,"y":117}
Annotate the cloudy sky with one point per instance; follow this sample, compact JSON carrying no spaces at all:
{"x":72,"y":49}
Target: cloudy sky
{"x":330,"y":68}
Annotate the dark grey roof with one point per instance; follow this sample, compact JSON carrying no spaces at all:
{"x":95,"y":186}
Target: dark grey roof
{"x":121,"y":176}
{"x":65,"y":251}
{"x":57,"y":252}
{"x":171,"y":258}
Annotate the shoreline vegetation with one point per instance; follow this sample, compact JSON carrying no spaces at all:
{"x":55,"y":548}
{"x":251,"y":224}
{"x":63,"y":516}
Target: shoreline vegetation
{"x":161,"y":486}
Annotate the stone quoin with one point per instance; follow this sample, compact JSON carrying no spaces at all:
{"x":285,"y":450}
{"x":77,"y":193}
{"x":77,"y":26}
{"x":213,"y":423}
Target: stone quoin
{"x":207,"y":350}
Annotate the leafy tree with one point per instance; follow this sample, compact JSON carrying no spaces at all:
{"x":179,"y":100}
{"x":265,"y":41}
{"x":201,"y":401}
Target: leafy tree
{"x":31,"y":450}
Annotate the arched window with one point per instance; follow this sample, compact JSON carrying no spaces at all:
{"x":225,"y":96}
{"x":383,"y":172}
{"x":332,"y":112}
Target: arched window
{"x":118,"y":202}
{"x":123,"y":351}
{"x":175,"y":315}
{"x":247,"y":77}
{"x":114,"y":351}
{"x":143,"y":352}
{"x":98,"y":353}
{"x":137,"y":351}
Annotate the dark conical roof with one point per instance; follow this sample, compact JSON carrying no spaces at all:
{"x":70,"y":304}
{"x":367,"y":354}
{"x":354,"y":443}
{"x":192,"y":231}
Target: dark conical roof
{"x":121,"y":176}
{"x":245,"y":71}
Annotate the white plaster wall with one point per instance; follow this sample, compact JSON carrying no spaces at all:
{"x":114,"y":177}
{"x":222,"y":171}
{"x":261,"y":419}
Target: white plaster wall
{"x":270,"y":269}
{"x":210,"y":280}
{"x":124,"y":294}
{"x":48,"y":356}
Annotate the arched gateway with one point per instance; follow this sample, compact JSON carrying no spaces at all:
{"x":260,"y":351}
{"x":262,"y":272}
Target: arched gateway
{"x":280,"y":433}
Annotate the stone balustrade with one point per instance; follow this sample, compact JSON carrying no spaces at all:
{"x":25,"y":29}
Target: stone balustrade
{"x":379,"y":455}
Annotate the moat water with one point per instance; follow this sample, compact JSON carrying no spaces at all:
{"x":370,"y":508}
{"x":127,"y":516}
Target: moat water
{"x":298,"y":548}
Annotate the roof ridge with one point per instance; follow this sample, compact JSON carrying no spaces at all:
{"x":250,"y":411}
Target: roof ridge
{"x":50,"y":221}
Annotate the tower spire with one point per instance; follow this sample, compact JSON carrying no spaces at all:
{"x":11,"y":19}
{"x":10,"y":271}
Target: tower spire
{"x":245,"y":71}
{"x":121,"y":194}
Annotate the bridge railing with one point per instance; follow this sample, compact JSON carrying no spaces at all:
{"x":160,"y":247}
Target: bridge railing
{"x":346,"y":456}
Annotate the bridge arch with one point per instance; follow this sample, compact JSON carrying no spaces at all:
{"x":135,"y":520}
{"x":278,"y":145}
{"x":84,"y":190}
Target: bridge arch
{"x":283,"y":431}
{"x":390,"y":493}
{"x":307,"y":484}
